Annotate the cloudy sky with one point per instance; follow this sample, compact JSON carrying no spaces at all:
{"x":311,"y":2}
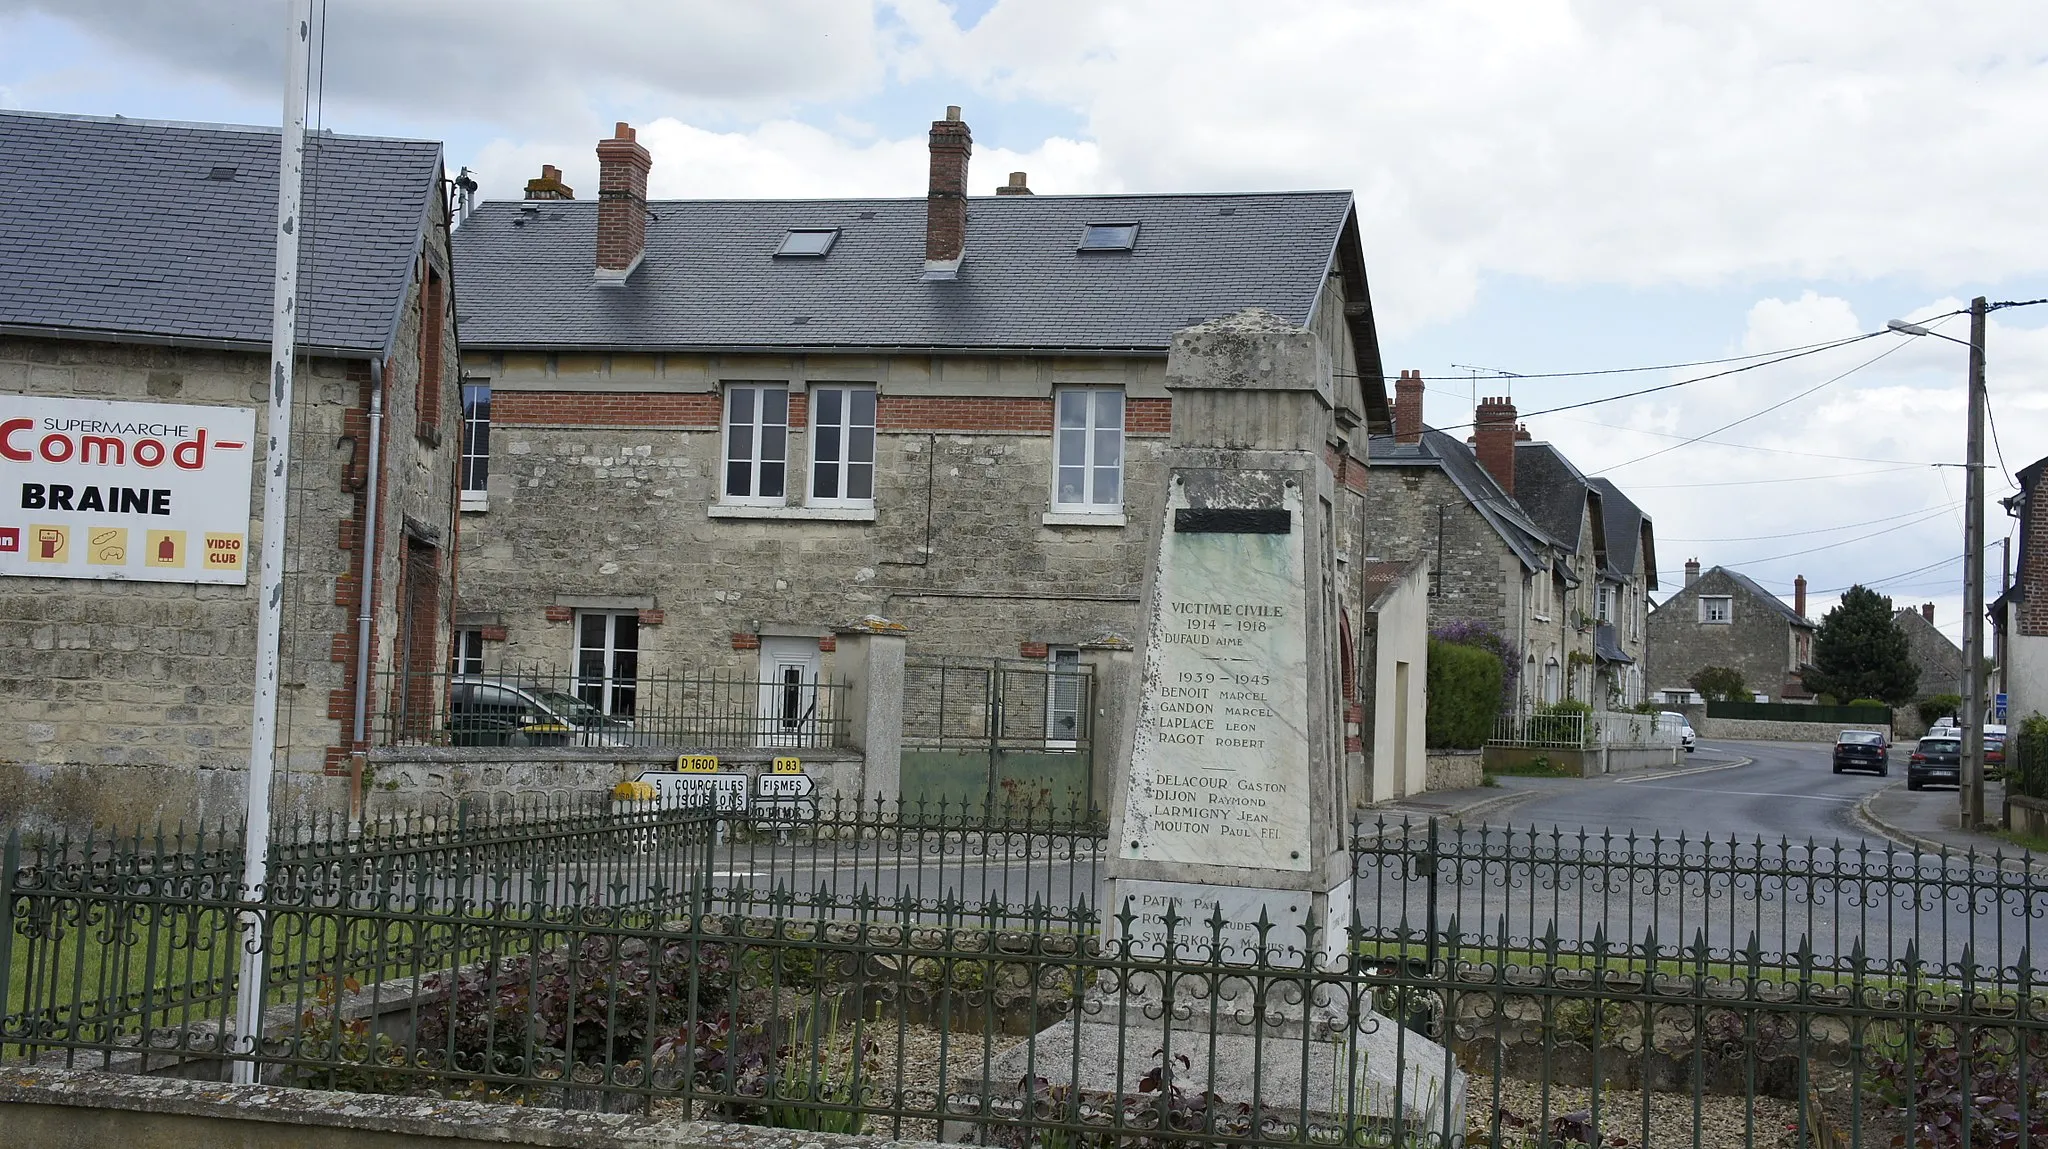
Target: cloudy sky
{"x":1546,"y":186}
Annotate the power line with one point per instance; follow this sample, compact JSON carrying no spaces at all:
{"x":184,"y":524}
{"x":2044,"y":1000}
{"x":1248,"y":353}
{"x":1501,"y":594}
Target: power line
{"x":1806,"y":348}
{"x":1755,"y":414}
{"x":1815,"y":530}
{"x":1759,"y":482}
{"x":1936,"y":513}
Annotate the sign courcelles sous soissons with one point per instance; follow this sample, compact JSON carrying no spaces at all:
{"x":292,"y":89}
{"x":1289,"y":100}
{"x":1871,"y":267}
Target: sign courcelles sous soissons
{"x":98,"y":489}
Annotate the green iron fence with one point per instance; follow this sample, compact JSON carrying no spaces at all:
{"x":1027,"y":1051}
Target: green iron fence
{"x":925,"y":971}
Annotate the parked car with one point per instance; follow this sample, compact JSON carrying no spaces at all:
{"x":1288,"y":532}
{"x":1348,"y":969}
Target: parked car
{"x":1862,"y":750}
{"x":1938,"y":758}
{"x":508,"y":712}
{"x":1673,"y":720}
{"x":1994,"y":753}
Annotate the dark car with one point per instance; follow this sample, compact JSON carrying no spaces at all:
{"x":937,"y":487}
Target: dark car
{"x":1862,"y":750}
{"x":1938,"y":758}
{"x":508,"y":712}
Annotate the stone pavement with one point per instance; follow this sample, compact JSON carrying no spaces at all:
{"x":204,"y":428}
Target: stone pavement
{"x":1930,"y":820}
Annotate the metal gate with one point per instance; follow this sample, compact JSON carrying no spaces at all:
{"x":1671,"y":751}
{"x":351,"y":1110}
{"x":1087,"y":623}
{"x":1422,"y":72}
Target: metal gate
{"x":994,"y":733}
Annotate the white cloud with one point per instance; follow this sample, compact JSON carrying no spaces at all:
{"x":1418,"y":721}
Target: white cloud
{"x":780,"y":159}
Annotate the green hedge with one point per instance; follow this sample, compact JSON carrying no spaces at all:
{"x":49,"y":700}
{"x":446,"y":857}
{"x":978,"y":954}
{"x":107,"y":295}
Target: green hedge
{"x":1564,"y":722}
{"x":1464,"y":695}
{"x":2026,"y":758}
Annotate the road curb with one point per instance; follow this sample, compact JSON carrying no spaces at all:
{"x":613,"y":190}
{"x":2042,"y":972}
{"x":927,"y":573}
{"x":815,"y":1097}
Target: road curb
{"x":1866,"y":817}
{"x":1653,"y":775}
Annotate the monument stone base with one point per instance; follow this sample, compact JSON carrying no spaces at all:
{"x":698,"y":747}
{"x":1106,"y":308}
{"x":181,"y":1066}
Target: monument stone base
{"x":1345,"y":1077}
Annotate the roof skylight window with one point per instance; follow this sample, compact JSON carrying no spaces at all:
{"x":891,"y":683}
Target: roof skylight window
{"x":811,"y":241}
{"x":1109,"y":237}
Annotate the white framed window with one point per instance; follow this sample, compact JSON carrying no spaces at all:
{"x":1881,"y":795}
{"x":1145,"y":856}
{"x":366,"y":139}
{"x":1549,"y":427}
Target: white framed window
{"x":466,"y":652}
{"x":1717,"y":609}
{"x":1088,"y":451}
{"x":1603,"y":603}
{"x":756,"y":443}
{"x":476,"y":446}
{"x":842,"y":446}
{"x":608,"y":659}
{"x":1064,"y":696}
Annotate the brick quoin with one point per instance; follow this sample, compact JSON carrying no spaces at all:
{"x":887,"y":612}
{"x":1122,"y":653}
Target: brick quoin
{"x":746,"y":641}
{"x":652,"y":617}
{"x":611,"y":409}
{"x":493,"y":633}
{"x":897,"y":413}
{"x":828,"y":644}
{"x":560,"y":614}
{"x":1033,"y":650}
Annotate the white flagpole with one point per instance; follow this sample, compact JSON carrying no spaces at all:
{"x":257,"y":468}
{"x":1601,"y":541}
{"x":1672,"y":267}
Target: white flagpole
{"x":291,"y":171}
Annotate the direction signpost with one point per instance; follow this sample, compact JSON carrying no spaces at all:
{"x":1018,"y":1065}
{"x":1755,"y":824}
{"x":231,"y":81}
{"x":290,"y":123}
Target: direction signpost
{"x":783,"y":796}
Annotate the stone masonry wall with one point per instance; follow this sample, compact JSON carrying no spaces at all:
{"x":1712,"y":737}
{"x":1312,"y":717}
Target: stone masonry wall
{"x":1402,"y":505}
{"x":129,"y":703}
{"x":1757,"y":642}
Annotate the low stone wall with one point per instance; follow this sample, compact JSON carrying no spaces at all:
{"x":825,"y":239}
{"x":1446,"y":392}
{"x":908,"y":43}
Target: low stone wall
{"x":1453,"y":770}
{"x":1754,"y":730}
{"x":1589,"y":763}
{"x":2024,"y":815}
{"x":67,"y":1108}
{"x":432,"y":779}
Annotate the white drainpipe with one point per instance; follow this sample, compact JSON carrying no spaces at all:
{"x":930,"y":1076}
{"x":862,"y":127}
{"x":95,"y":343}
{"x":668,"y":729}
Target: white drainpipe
{"x":368,"y":598}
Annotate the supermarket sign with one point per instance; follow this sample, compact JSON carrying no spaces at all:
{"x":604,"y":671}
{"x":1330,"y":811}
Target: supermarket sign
{"x":155,"y":492}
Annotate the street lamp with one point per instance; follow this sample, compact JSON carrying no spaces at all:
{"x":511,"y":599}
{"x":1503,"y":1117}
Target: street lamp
{"x":1972,"y":788}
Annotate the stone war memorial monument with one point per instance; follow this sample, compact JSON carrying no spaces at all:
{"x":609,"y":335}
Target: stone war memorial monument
{"x":1229,"y":807}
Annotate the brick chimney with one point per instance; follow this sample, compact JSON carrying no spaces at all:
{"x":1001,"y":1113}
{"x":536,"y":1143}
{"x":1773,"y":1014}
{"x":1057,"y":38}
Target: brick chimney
{"x":1692,"y":571}
{"x":1018,"y":185}
{"x":1522,"y":434}
{"x":945,"y":219}
{"x":1493,"y":440}
{"x":1927,"y":612}
{"x":1799,"y":596}
{"x":549,"y":185}
{"x":621,"y":205}
{"x":1408,"y":407}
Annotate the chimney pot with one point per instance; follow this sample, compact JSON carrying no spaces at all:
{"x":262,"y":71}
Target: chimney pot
{"x":622,"y":166}
{"x":1522,"y":434}
{"x":945,"y":227}
{"x":1493,"y":433}
{"x":1692,"y":571}
{"x":1799,"y":596}
{"x":1019,"y":185}
{"x":1927,"y":611}
{"x":549,"y":185}
{"x":1408,"y":407}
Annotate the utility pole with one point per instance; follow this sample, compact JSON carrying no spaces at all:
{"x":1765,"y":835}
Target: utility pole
{"x":291,"y":171}
{"x":1973,"y":582}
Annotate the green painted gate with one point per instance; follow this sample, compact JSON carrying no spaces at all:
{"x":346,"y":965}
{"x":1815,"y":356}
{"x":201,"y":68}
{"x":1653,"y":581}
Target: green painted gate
{"x":1000,"y":733}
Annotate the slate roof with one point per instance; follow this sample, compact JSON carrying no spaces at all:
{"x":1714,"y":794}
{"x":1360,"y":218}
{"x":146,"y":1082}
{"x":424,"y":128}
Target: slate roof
{"x":1756,"y":591}
{"x":1456,"y":460}
{"x":1380,"y":578}
{"x":114,"y":228}
{"x":710,"y":278}
{"x":1552,"y":490}
{"x":1626,"y":526}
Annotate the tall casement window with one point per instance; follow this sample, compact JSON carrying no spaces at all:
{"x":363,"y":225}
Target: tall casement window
{"x":1064,"y":688}
{"x":756,"y":443}
{"x":476,"y":445}
{"x":1603,"y":603}
{"x":1088,"y":461}
{"x":608,"y":659}
{"x":842,"y":446}
{"x":466,"y":652}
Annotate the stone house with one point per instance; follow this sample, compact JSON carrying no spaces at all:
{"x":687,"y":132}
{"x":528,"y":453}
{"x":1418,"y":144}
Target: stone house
{"x":135,"y":323}
{"x":1940,"y":660}
{"x":1724,"y":618}
{"x":1519,"y":539}
{"x":2022,"y":611}
{"x":707,"y":436}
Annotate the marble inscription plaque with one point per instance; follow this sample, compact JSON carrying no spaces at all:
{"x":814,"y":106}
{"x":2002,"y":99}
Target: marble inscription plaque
{"x":1195,"y":908}
{"x":1219,"y":767}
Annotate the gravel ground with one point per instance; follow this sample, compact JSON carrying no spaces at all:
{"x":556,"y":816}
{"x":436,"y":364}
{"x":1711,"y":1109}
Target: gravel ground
{"x":1722,"y":1120}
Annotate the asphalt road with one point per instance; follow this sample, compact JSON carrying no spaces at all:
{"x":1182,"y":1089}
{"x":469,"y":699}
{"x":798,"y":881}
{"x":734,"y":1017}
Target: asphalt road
{"x":1787,"y":791}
